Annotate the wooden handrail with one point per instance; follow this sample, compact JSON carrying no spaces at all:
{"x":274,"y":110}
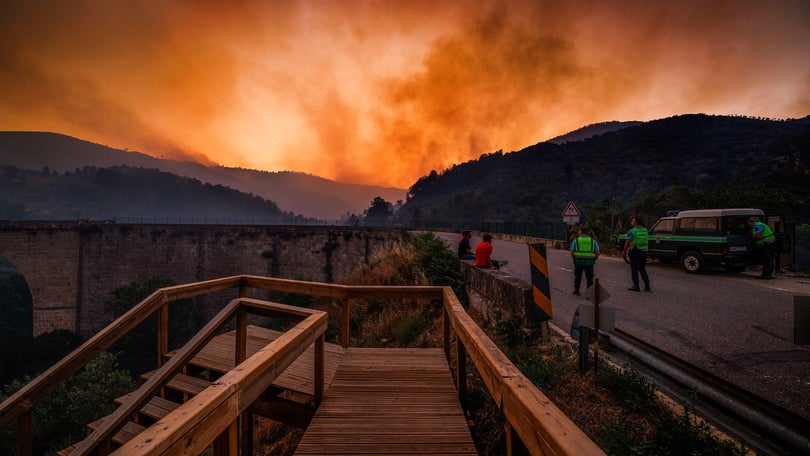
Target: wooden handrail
{"x":29,"y":395}
{"x":541,"y":426}
{"x":194,"y":425}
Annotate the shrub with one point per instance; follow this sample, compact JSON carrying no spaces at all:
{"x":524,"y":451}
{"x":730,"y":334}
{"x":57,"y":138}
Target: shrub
{"x":59,"y":420}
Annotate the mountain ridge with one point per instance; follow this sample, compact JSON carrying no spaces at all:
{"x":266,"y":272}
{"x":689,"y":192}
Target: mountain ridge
{"x":694,"y":151}
{"x":309,"y":195}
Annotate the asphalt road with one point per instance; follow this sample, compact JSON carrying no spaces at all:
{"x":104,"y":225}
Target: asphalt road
{"x":731,"y":325}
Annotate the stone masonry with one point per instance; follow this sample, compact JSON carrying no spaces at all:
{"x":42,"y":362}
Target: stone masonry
{"x":73,"y":267}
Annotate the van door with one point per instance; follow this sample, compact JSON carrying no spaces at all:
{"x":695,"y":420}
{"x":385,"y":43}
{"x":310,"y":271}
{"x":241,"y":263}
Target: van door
{"x":738,"y":235}
{"x":660,"y":240}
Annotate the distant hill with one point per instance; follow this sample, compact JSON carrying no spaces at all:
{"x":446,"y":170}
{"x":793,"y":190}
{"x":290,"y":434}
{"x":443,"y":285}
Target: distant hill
{"x":621,"y":167}
{"x":128,"y":194}
{"x":592,"y":130}
{"x":299,"y":193}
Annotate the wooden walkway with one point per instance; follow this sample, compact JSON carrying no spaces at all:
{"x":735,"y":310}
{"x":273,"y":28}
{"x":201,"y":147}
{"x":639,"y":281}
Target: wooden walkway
{"x":390,"y":401}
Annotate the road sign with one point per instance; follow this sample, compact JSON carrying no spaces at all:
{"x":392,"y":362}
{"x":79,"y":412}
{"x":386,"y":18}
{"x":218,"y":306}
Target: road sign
{"x":607,"y":317}
{"x":571,"y":210}
{"x":590,"y":293}
{"x":571,"y":214}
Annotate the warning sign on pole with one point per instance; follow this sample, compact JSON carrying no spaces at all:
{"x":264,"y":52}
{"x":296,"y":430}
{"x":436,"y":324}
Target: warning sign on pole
{"x":571,"y":214}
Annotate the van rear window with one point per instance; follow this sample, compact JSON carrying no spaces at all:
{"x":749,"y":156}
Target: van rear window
{"x":738,"y":225}
{"x":699,"y":225}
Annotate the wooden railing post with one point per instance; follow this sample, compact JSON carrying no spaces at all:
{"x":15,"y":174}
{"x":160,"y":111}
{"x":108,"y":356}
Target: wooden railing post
{"x":240,"y":351}
{"x":514,"y":446}
{"x":25,"y":435}
{"x":245,"y":422}
{"x":225,"y":443}
{"x":163,"y":332}
{"x":446,"y":332}
{"x":319,"y":370}
{"x":461,"y":370}
{"x":345,"y":316}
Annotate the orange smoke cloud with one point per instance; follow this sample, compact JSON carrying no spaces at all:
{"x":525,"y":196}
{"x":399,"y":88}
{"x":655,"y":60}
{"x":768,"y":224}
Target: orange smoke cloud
{"x":382,"y":92}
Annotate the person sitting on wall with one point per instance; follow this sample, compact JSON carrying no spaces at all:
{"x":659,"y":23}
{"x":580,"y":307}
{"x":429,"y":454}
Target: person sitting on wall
{"x":483,"y":254}
{"x":464,"y":249}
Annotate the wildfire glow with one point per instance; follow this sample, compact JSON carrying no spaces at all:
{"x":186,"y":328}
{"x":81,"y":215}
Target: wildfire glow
{"x":382,"y":91}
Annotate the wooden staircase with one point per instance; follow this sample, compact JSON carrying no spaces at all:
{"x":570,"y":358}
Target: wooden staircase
{"x":214,"y":360}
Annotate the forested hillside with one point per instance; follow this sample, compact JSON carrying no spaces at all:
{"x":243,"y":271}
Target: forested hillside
{"x":123,"y":192}
{"x":296,"y":192}
{"x":698,"y":152}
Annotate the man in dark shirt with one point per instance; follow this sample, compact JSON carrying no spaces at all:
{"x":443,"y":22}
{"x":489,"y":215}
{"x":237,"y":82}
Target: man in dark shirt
{"x":464,"y":249}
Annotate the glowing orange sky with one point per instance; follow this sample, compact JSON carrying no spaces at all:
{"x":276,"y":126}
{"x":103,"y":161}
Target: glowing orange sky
{"x":381,"y":92}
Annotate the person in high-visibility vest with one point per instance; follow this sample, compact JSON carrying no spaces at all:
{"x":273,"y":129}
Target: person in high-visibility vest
{"x":584,"y":251}
{"x":765,"y":243}
{"x":636,"y":248}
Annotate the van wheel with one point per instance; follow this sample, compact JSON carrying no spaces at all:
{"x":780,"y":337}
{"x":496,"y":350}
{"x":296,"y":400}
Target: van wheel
{"x":693,"y":262}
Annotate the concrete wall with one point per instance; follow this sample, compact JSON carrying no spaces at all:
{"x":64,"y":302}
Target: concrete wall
{"x":495,"y":294}
{"x":73,"y":267}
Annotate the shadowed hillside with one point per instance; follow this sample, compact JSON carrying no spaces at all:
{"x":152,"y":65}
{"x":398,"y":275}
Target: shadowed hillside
{"x":693,"y":151}
{"x":301,"y":193}
{"x":122,"y":192}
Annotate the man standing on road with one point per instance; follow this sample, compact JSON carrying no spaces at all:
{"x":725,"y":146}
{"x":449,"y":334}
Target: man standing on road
{"x":584,"y":251}
{"x":636,"y":246}
{"x":765,"y":243}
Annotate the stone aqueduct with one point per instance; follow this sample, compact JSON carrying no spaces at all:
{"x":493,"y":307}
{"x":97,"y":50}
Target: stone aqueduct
{"x":73,"y":267}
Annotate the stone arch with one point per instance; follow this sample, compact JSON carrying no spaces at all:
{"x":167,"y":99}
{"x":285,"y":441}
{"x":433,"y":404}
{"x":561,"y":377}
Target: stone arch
{"x":16,"y":305}
{"x":48,"y":258}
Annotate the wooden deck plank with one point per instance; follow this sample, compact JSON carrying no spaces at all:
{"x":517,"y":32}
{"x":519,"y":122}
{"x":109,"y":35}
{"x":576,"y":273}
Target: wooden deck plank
{"x":390,"y":401}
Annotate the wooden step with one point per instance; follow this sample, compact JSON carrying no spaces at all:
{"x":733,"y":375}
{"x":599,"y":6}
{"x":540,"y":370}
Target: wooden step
{"x":156,"y":408}
{"x":183,"y":383}
{"x":130,"y":430}
{"x":121,"y":437}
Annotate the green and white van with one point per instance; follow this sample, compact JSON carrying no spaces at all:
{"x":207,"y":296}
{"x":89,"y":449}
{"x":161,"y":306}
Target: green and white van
{"x":701,"y":238}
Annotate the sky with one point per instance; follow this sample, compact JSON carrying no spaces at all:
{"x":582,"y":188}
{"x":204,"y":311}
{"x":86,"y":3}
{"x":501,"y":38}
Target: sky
{"x":381,"y":92}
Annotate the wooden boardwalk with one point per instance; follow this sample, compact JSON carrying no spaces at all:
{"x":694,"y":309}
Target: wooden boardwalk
{"x":390,"y":401}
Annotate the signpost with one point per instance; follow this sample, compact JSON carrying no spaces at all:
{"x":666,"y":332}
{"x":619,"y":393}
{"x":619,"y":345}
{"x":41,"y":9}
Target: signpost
{"x":571,"y":214}
{"x":591,"y":320}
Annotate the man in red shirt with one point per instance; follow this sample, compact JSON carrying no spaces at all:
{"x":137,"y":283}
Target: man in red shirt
{"x":483,"y":254}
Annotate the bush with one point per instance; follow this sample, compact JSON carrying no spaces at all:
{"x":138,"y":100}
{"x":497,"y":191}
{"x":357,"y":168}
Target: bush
{"x":60,"y":419}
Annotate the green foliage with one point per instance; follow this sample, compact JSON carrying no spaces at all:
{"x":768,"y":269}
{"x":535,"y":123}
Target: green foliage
{"x":653,"y":205}
{"x":628,"y":388}
{"x":439,"y":262}
{"x":379,"y":213}
{"x":407,"y":329}
{"x":140,"y":344}
{"x":509,"y":330}
{"x":545,"y":372}
{"x":647,"y":427}
{"x":686,"y":434}
{"x":60,"y":419}
{"x":621,"y":436}
{"x":24,"y":355}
